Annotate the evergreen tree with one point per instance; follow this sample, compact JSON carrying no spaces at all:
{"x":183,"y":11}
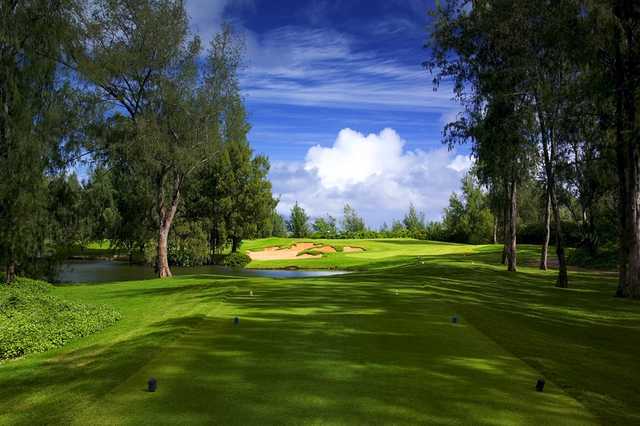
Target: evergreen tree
{"x":298,"y":223}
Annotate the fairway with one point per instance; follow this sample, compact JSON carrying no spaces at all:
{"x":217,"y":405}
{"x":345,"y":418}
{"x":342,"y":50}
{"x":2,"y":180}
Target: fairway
{"x":369,"y":347}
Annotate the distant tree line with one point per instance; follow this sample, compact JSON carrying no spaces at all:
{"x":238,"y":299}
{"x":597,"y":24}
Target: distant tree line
{"x":550,"y":94}
{"x":155,"y":119}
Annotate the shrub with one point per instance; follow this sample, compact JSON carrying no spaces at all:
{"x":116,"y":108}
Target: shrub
{"x":32,"y":320}
{"x":236,"y":260}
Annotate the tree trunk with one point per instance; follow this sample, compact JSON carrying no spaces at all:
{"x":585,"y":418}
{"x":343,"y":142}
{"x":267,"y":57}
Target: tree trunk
{"x":10,"y":272}
{"x":235,"y":244}
{"x":628,"y":150}
{"x":162,"y":266}
{"x":550,"y":158}
{"x":513,"y":223}
{"x":544,"y":256}
{"x":505,"y":230}
{"x":495,"y":230}
{"x":166,"y":216}
{"x":563,"y":277}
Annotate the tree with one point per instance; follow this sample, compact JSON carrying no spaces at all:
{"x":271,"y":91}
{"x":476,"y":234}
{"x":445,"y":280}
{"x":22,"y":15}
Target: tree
{"x":298,"y":223}
{"x":624,"y":71}
{"x":468,"y":218}
{"x":168,"y":106}
{"x":352,"y":223}
{"x":279,"y":225}
{"x":33,"y":123}
{"x":325,"y":227}
{"x":413,"y":221}
{"x":530,"y":73}
{"x":244,"y":192}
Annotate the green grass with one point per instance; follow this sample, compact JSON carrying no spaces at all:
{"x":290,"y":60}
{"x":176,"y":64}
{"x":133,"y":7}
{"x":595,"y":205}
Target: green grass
{"x":380,"y":253}
{"x":369,"y":347}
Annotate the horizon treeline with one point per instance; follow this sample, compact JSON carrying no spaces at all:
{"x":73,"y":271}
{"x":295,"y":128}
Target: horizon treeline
{"x":122,"y":90}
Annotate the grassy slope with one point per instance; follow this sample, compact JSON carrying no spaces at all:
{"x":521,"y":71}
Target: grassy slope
{"x":346,"y":349}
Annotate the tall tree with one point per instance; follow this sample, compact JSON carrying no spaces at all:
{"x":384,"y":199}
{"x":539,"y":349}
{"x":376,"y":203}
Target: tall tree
{"x":32,"y":122}
{"x":625,"y":72}
{"x":138,"y":55}
{"x":352,"y":223}
{"x":298,"y":223}
{"x":244,"y":192}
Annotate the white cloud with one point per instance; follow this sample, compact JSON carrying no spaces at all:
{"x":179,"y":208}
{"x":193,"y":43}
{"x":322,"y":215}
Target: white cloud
{"x":374,"y":173}
{"x":207,"y":16}
{"x":323,"y":67}
{"x":461,"y":163}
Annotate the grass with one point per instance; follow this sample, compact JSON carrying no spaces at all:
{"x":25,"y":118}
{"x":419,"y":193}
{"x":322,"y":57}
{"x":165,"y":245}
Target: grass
{"x":368,"y":347}
{"x":380,"y":253}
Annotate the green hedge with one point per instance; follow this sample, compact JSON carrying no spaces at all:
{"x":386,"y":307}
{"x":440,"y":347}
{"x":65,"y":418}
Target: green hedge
{"x":236,"y":260}
{"x":32,"y":320}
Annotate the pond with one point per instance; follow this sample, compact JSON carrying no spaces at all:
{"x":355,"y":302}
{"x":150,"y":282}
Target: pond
{"x":97,"y":271}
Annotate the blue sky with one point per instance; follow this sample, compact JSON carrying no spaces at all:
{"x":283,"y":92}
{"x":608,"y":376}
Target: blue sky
{"x":322,"y":82}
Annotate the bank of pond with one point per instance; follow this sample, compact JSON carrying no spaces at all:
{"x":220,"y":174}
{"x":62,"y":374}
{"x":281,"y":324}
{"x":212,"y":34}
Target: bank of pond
{"x":100,"y":271}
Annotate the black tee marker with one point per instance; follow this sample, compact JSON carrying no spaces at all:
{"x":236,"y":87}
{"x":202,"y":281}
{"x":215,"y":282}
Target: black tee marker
{"x":540,"y":385}
{"x":236,"y":321}
{"x":152,"y":385}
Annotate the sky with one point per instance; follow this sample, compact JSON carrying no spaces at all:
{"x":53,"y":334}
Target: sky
{"x":339,"y":102}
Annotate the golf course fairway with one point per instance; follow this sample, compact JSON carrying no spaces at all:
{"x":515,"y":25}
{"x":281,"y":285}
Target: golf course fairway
{"x":376,"y":346}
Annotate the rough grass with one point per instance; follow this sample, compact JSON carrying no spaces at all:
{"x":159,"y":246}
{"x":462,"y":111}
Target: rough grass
{"x":372,"y":347}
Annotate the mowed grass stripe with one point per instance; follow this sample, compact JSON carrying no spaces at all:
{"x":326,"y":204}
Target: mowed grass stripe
{"x":331,"y":353}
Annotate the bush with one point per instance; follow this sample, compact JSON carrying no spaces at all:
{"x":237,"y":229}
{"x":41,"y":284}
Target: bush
{"x":32,"y":320}
{"x":236,"y":260}
{"x":605,"y":258}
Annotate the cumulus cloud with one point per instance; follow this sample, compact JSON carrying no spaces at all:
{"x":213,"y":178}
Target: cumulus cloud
{"x":375,"y":173}
{"x":461,"y":163}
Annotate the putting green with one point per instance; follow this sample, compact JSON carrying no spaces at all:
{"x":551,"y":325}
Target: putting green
{"x":376,"y":347}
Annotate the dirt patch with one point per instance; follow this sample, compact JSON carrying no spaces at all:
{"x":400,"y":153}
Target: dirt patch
{"x":348,"y":249}
{"x":293,"y":252}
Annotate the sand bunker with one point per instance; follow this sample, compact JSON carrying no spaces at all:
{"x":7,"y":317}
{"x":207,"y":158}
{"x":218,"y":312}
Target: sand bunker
{"x":348,"y":249}
{"x":293,"y":252}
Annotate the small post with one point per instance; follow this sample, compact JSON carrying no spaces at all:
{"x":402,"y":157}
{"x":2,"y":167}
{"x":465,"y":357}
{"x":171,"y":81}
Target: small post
{"x":540,"y":385}
{"x":236,"y":321}
{"x":455,"y":319}
{"x":152,"y":384}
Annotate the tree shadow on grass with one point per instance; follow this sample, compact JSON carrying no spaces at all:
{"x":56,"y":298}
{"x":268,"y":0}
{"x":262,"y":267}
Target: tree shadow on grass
{"x":582,"y":337}
{"x":298,"y":359}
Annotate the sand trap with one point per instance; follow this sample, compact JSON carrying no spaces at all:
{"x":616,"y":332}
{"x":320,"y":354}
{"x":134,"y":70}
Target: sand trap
{"x":348,"y":249}
{"x":275,"y":253}
{"x":325,"y":249}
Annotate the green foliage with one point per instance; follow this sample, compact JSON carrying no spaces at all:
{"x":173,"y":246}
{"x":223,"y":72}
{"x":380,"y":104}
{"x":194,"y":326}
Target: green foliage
{"x":352,"y":223}
{"x":34,"y":320}
{"x":236,"y":260}
{"x":189,"y":245}
{"x":298,"y":223}
{"x":278,"y":225}
{"x":37,"y":124}
{"x":468,"y":218}
{"x":325,"y":227}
